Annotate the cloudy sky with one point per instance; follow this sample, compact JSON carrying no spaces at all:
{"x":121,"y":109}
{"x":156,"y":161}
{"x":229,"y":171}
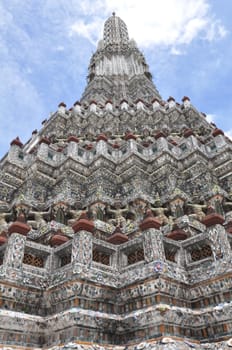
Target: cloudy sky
{"x":45,"y":47}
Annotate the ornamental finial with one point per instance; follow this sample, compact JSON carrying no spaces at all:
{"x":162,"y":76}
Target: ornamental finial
{"x":115,"y":31}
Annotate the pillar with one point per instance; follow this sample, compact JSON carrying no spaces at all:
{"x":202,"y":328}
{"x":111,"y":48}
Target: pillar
{"x":153,"y":245}
{"x":81,"y":251}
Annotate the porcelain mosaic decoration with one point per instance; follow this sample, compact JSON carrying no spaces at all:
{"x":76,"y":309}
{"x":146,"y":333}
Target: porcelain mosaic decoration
{"x":116,"y":219}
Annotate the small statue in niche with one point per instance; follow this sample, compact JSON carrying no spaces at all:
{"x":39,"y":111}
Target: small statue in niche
{"x":97,"y":211}
{"x":177,"y":207}
{"x":60,"y":216}
{"x":216,"y":203}
{"x":216,"y":199}
{"x":59,"y":212}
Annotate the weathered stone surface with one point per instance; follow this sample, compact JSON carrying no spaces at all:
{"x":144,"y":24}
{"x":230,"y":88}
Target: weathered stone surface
{"x":115,"y":219}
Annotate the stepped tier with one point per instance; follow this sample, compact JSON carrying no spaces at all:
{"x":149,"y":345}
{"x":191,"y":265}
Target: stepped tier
{"x":116,"y":219}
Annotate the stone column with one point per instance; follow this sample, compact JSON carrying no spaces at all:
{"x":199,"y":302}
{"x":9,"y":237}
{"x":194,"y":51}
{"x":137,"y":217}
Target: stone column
{"x":132,"y":145}
{"x":15,"y":147}
{"x":220,"y":243}
{"x":101,"y":147}
{"x":194,"y":141}
{"x":220,"y":141}
{"x":43,"y":148}
{"x":14,"y":253}
{"x":162,"y":144}
{"x":73,"y":146}
{"x":82,"y":251}
{"x":180,"y":257}
{"x":153,"y":245}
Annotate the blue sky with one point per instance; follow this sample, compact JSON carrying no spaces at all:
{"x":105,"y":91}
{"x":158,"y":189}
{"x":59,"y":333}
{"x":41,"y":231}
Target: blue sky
{"x":45,"y":47}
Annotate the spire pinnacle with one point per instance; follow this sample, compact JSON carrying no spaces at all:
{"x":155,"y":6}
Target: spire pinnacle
{"x":118,"y":68}
{"x":115,"y":31}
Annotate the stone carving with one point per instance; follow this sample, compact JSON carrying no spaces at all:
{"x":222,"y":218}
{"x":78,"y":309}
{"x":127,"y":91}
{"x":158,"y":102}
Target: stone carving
{"x":40,"y":222}
{"x":116,"y":155}
{"x":153,"y":245}
{"x":119,"y":219}
{"x":216,"y":203}
{"x":75,"y":216}
{"x":82,"y":248}
{"x":98,"y":211}
{"x":3,"y":222}
{"x":220,"y":244}
{"x":138,"y":208}
{"x":160,"y":211}
{"x":15,"y":251}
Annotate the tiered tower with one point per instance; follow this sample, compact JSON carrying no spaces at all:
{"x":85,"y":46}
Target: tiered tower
{"x":116,"y":219}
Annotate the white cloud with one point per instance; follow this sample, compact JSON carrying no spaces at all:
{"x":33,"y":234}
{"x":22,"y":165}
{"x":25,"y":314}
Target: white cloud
{"x":222,"y":31}
{"x":215,"y":31}
{"x":175,"y":51}
{"x":159,"y":22}
{"x":229,"y":133}
{"x":60,"y":48}
{"x":89,"y":30}
{"x":23,"y":97}
{"x":211,"y":118}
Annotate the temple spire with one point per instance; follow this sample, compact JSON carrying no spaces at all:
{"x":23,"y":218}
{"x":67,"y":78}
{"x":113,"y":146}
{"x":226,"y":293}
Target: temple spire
{"x":115,"y":31}
{"x":118,"y":69}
